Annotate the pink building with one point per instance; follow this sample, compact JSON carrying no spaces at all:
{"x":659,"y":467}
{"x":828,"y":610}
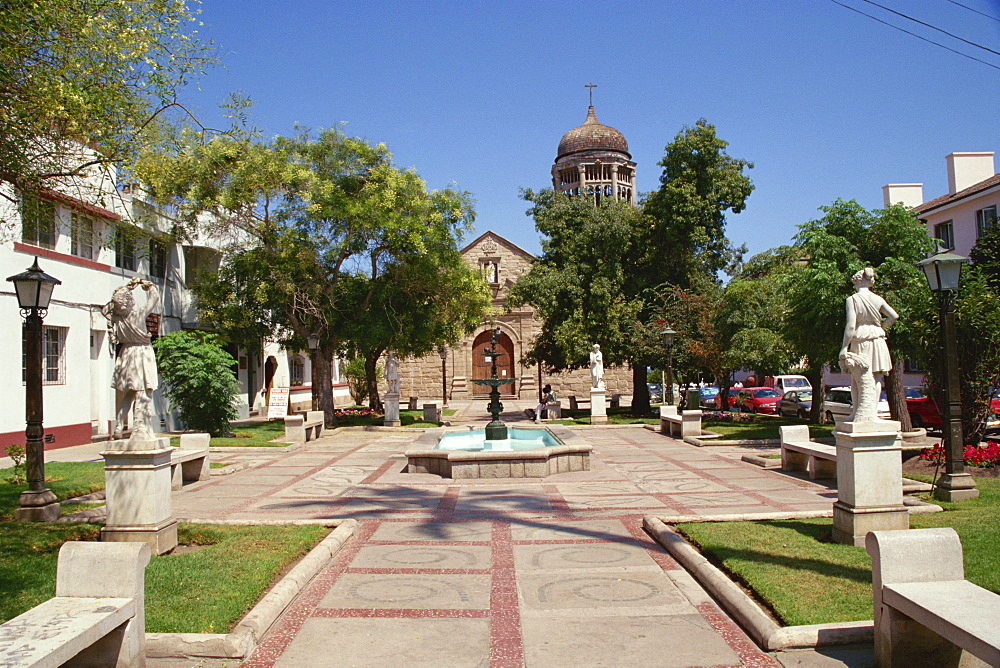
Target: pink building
{"x":966,"y":211}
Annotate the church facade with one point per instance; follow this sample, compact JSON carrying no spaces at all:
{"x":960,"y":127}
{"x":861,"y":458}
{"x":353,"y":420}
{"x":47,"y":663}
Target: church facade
{"x":592,"y":160}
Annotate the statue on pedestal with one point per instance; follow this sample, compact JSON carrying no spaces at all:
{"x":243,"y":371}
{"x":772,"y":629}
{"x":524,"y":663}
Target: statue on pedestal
{"x":135,"y":365}
{"x":392,"y":372}
{"x":865,"y":354}
{"x":597,"y":367}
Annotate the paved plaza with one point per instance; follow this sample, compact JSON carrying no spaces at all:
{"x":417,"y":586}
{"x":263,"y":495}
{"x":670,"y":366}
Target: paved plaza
{"x":528,"y":572}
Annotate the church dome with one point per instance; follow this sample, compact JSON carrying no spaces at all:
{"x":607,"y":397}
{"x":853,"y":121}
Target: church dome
{"x":592,"y":136}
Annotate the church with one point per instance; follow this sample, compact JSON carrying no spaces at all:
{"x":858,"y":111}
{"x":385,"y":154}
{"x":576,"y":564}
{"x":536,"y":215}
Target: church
{"x":592,"y":160}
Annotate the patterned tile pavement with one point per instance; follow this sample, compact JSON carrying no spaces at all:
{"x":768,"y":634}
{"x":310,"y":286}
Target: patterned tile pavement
{"x":501,"y":573}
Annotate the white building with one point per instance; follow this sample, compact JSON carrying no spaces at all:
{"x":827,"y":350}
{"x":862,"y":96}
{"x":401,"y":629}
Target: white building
{"x":94,"y":238}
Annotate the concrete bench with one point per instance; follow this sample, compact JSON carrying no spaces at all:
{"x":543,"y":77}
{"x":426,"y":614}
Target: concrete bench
{"x":97,"y":617}
{"x":798,"y":453}
{"x":574,"y":403}
{"x":190,"y":462}
{"x":300,"y":429}
{"x":552,"y":411}
{"x":433,"y":412}
{"x":679,"y":424}
{"x":616,"y":400}
{"x":926,"y":612}
{"x":411,"y":405}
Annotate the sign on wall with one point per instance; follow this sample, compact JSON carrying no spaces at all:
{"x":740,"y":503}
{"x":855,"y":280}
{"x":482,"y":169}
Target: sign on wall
{"x":277,"y":404}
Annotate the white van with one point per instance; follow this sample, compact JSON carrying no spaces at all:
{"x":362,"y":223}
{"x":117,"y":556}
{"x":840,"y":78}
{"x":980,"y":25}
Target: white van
{"x":786,"y":383}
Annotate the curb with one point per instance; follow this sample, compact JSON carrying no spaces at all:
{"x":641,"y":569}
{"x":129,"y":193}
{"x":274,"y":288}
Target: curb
{"x":748,"y":613}
{"x":239,"y":643}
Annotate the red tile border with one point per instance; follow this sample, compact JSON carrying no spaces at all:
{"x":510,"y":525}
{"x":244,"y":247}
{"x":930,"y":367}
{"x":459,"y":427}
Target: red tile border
{"x":750,"y":655}
{"x":400,"y":613}
{"x":506,"y":644}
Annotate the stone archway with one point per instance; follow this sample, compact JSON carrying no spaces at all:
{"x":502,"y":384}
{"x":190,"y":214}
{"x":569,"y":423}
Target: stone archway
{"x":481,"y":368}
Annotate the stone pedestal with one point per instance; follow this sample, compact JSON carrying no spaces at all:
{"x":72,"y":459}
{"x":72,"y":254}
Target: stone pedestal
{"x":598,"y":405}
{"x":869,"y":480}
{"x":391,"y":410}
{"x":37,"y":506}
{"x":956,"y":487}
{"x":138,"y":495}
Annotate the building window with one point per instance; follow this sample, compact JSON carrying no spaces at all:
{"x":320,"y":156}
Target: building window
{"x":297,"y":370}
{"x":38,"y":222}
{"x":986,"y":219}
{"x":82,"y":235}
{"x":53,"y":356}
{"x":945,"y":233}
{"x":124,"y":250}
{"x":157,"y":259}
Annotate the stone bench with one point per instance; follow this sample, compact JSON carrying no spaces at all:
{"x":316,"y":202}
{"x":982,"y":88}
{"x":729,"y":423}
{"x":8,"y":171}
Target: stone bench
{"x":97,"y":617}
{"x":798,"y":453}
{"x":552,"y":411}
{"x":300,"y":429}
{"x":616,"y":400}
{"x":433,"y":412}
{"x":574,"y":403}
{"x":679,"y":424}
{"x":190,"y":462}
{"x":926,"y":612}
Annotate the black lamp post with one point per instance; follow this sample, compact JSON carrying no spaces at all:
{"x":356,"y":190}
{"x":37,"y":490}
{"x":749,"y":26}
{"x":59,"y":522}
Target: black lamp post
{"x":313,"y":342}
{"x":942,"y":271}
{"x":34,"y":291}
{"x":443,"y":352}
{"x":669,"y":338}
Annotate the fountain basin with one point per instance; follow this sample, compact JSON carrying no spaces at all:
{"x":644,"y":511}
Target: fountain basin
{"x":464,"y":455}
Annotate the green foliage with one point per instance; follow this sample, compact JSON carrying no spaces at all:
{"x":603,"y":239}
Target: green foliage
{"x":699,"y":184}
{"x":357,"y":383}
{"x":329,"y":239}
{"x":65,"y":479}
{"x":106,"y":72}
{"x":986,"y":256}
{"x":17,"y":455}
{"x":200,"y":381}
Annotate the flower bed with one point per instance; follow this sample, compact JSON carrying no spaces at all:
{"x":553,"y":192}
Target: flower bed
{"x":984,"y":456}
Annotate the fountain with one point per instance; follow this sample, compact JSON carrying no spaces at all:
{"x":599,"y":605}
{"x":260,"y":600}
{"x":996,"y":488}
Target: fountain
{"x":533,"y":452}
{"x":495,"y":430}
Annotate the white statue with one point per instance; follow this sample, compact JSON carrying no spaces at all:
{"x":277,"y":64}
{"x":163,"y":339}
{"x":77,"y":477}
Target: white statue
{"x":865,"y":354}
{"x":392,"y":372}
{"x":135,"y":366}
{"x":597,"y":367}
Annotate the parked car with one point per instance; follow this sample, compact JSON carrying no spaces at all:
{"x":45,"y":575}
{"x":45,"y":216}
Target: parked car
{"x":708,"y":394}
{"x":731,"y":404}
{"x":924,"y":412}
{"x":655,"y":392}
{"x":758,"y":399}
{"x":796,"y":403}
{"x":786,"y":383}
{"x":837,"y":404}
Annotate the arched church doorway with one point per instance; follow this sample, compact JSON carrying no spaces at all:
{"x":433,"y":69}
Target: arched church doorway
{"x":482,"y":369}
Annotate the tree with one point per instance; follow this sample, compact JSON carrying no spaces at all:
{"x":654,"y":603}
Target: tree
{"x":700,"y":182}
{"x":846,"y":239}
{"x":200,"y":381}
{"x":316,"y":223}
{"x":85,"y":83}
{"x":603,"y":266}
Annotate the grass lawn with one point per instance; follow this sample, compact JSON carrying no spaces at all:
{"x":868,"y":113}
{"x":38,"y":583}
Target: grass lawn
{"x":203,"y":590}
{"x":763,"y":428}
{"x":805,"y":579}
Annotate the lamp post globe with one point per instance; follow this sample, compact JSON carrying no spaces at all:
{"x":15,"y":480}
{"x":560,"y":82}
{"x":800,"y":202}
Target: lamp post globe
{"x":34,"y":292}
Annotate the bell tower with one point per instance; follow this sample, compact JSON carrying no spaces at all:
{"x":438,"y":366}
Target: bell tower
{"x":593,"y":160}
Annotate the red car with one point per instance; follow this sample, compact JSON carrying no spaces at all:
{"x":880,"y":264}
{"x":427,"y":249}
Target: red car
{"x":733,"y":391}
{"x":924,"y":412}
{"x":758,"y":399}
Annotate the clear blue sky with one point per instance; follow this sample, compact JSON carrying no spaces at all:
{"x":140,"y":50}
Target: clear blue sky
{"x":825,"y":102}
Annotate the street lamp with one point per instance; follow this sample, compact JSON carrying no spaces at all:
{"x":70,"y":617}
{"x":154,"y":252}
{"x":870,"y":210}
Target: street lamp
{"x":34,"y":291}
{"x":669,"y":338}
{"x":942,"y":271}
{"x":443,"y":352}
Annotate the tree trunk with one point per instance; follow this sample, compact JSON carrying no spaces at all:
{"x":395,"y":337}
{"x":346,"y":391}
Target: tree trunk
{"x":894,"y":394}
{"x":371,"y":378}
{"x":815,"y":376}
{"x":725,"y":382}
{"x":322,"y":384}
{"x":640,"y":391}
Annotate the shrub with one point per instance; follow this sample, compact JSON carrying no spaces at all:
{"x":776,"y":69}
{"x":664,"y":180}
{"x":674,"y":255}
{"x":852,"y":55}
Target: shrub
{"x":200,"y":380}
